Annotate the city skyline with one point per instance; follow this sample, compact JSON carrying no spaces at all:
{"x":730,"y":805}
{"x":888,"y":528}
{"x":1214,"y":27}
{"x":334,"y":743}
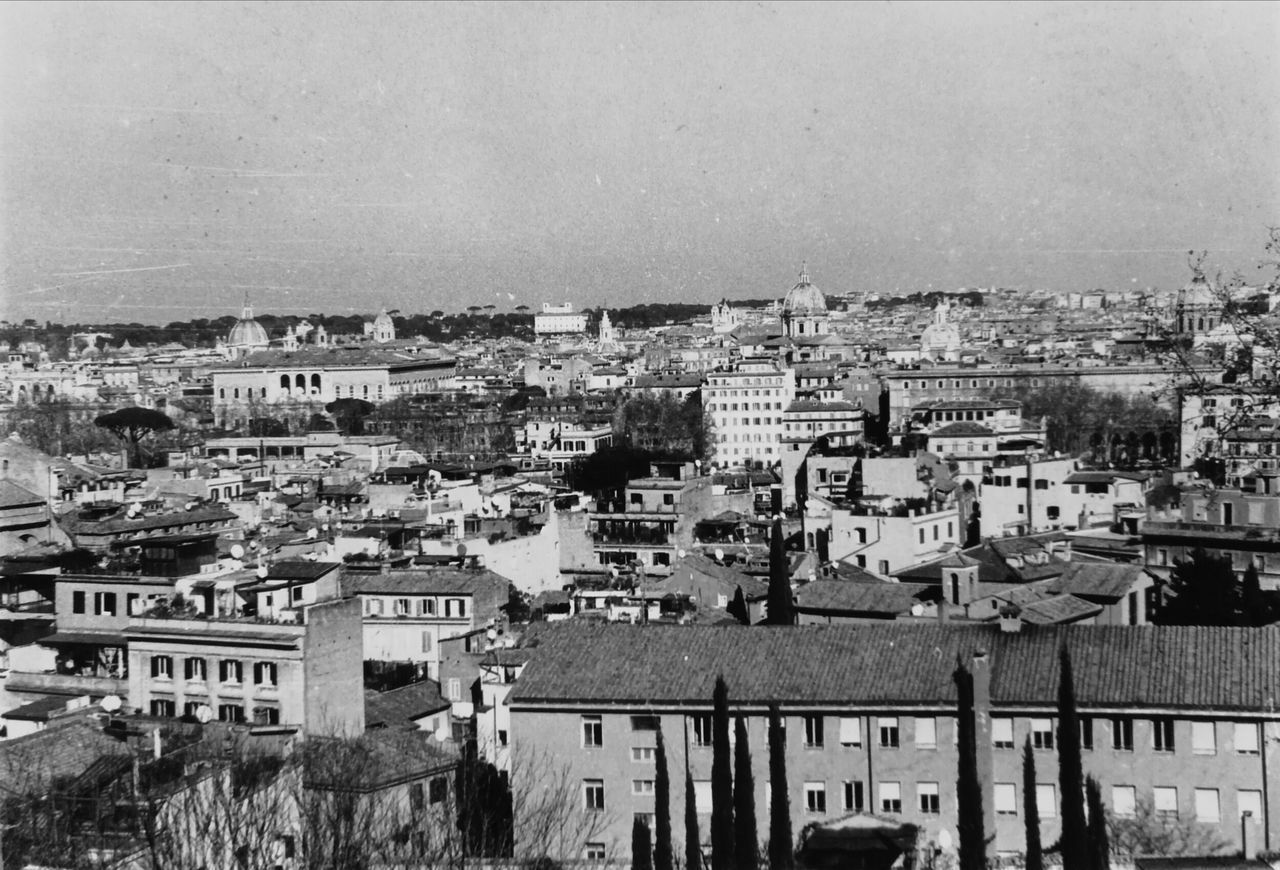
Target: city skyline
{"x":158,"y":161}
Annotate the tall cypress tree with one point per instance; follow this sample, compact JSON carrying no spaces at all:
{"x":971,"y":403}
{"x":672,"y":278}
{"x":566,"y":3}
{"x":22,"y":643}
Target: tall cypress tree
{"x":641,"y":851}
{"x":722,"y":844}
{"x":1031,"y":809}
{"x":692,"y":839}
{"x":662,"y":856}
{"x":746,"y":838}
{"x":970,"y":824}
{"x":1074,"y":841}
{"x":780,"y":855}
{"x":781,"y":605}
{"x":1099,"y":843}
{"x":738,"y":608}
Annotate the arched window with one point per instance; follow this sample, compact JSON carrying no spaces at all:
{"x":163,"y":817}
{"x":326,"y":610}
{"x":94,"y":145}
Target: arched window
{"x":222,"y":392}
{"x":235,"y":393}
{"x":284,"y":383}
{"x":315,"y":383}
{"x":301,"y":382}
{"x":955,"y":588}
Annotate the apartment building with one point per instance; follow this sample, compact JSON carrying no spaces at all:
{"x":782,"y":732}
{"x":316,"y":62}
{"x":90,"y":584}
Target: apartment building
{"x":1181,"y":719}
{"x":747,"y":406}
{"x":889,"y":535}
{"x":1224,"y":521}
{"x":406,"y":614}
{"x":301,"y":670}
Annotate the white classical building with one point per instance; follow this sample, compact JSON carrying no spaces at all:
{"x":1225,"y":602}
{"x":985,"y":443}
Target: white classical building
{"x":558,"y":320}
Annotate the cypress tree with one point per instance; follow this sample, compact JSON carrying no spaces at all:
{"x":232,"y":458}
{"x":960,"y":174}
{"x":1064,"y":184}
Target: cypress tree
{"x":1099,"y":844}
{"x":738,"y":608}
{"x":1074,"y":840}
{"x":692,"y":839}
{"x":662,"y":856}
{"x":747,"y":843}
{"x":1254,"y":610}
{"x":721,"y":782}
{"x":1031,"y":809}
{"x":780,"y":854}
{"x":781,"y":606}
{"x":970,"y":824}
{"x":641,"y":854}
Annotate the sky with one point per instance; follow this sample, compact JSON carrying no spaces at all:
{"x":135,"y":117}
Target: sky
{"x":158,"y":161}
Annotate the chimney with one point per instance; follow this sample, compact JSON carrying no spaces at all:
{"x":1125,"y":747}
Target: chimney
{"x":981,"y":671}
{"x":1248,"y":837}
{"x":1011,"y":619}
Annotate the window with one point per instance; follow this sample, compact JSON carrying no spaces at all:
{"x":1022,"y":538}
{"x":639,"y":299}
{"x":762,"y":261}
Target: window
{"x":889,"y":731}
{"x":813,"y":737}
{"x":890,"y":797}
{"x":853,"y":796}
{"x":426,"y":641}
{"x":437,"y":789}
{"x":1042,"y":733}
{"x":427,"y":607}
{"x":644,"y":723}
{"x":642,"y":754}
{"x":850,"y":731}
{"x":1162,"y":735}
{"x":927,"y":798}
{"x":401,"y":607}
{"x":815,"y":797}
{"x":77,"y":601}
{"x":1246,"y":738}
{"x":884,"y":566}
{"x":266,"y":715}
{"x":1006,"y":799}
{"x":1086,"y":732}
{"x":592,"y":731}
{"x":926,"y":732}
{"x":1164,"y":801}
{"x":593,"y":795}
{"x":1203,"y":739}
{"x":1249,"y":802}
{"x":1122,"y":734}
{"x":702,"y":796}
{"x":1124,"y":800}
{"x":642,"y":786}
{"x":645,"y":819}
{"x":162,"y":667}
{"x":191,"y":708}
{"x":163,"y":707}
{"x":593,"y":852}
{"x":1046,"y":801}
{"x":701,"y":730}
{"x":1207,"y":808}
{"x":230,"y":672}
{"x":104,"y":603}
{"x":454,"y":690}
{"x":264,"y":673}
{"x":1002,"y":732}
{"x":230,"y":713}
{"x":195,"y":669}
{"x":416,"y":797}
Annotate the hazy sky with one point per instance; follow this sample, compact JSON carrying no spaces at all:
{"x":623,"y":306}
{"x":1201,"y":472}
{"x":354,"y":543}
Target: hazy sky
{"x":158,"y":160}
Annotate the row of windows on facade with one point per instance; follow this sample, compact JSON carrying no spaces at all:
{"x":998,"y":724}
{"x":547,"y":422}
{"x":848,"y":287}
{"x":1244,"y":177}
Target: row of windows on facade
{"x":1164,"y":800}
{"x":974,"y":383}
{"x":301,"y":389}
{"x":260,"y":715}
{"x":453,"y":607}
{"x":738,"y":382}
{"x":1204,"y":734}
{"x":747,"y":406}
{"x":230,"y":671}
{"x":974,"y":416}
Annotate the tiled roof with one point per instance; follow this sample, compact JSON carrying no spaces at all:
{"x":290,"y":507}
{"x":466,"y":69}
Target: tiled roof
{"x":846,"y":596}
{"x":12,"y":495}
{"x":1058,"y":610}
{"x":956,"y":430}
{"x":423,"y":581}
{"x":1098,"y":579}
{"x":399,"y":708}
{"x":299,"y":569}
{"x":1174,"y":667}
{"x":63,"y":748}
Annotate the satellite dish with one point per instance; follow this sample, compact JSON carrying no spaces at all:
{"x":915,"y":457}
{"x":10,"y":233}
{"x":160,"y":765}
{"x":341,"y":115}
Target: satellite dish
{"x":491,"y":634}
{"x":613,"y":571}
{"x":263,"y":571}
{"x":110,"y":703}
{"x":462,"y":551}
{"x":442,"y":733}
{"x":253,"y":545}
{"x":944,"y":839}
{"x":312,"y":533}
{"x":204,"y":714}
{"x":917,"y":610}
{"x":237,"y":551}
{"x":133,"y":510}
{"x":680,"y":554}
{"x":719,"y":555}
{"x":324,"y":526}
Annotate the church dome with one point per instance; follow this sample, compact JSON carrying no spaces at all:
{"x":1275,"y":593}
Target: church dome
{"x":804,"y":298}
{"x":1199,"y":292}
{"x":247,"y":332}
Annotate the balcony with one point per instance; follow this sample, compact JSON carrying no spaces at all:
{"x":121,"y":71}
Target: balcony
{"x":637,"y":539}
{"x":65,"y":684}
{"x":606,"y":509}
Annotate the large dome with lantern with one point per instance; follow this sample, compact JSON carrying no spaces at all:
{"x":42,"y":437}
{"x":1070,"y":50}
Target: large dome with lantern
{"x":804,"y":297}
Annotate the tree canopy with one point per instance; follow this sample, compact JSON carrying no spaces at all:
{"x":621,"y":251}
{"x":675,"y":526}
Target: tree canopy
{"x":131,"y":425}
